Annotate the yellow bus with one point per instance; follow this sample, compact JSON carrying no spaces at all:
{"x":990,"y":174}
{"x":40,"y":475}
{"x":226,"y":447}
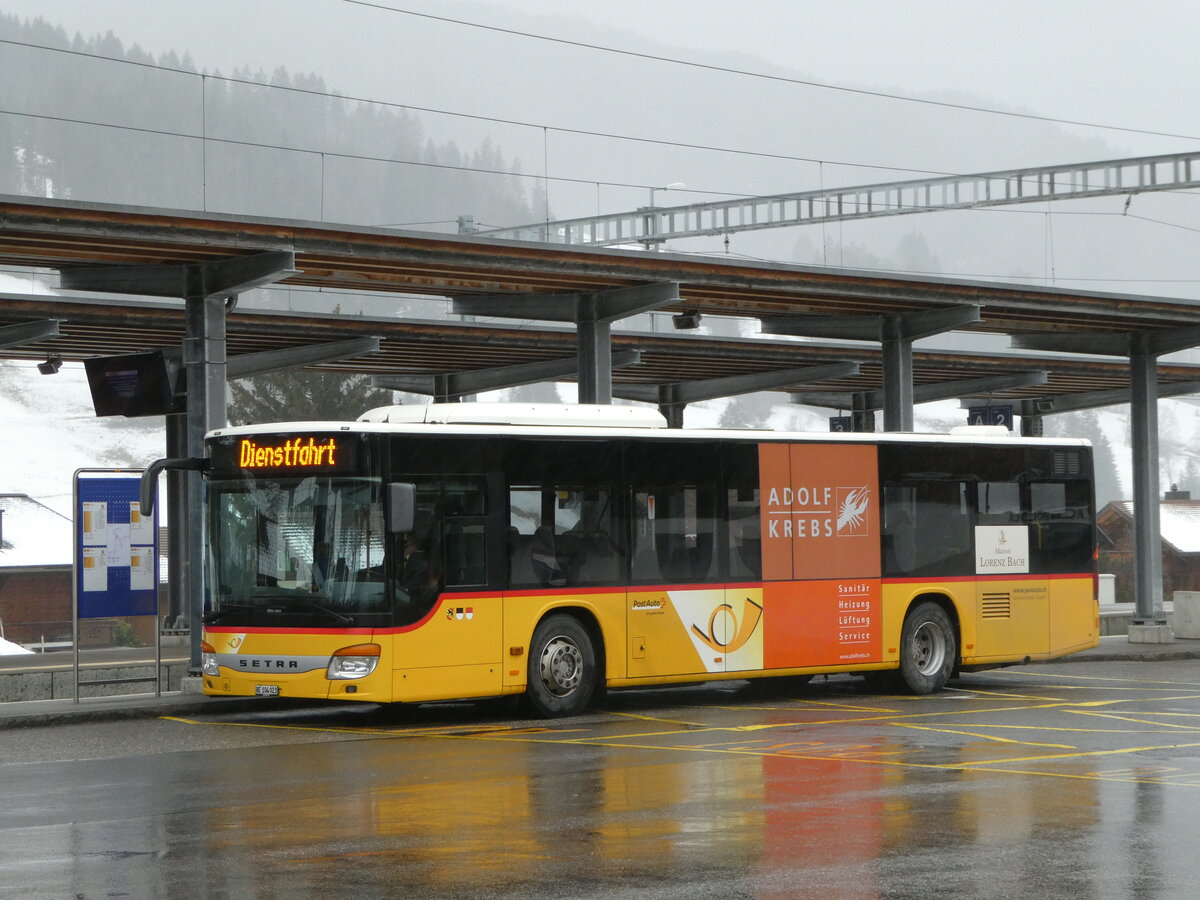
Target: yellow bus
{"x":477,"y":550}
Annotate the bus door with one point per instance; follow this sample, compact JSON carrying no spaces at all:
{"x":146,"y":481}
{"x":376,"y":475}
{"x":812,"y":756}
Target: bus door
{"x":1012,"y":607}
{"x":681,"y":620}
{"x":448,"y":638}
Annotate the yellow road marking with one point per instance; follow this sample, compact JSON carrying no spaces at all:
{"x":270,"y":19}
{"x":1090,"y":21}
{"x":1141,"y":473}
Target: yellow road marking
{"x":1077,"y":755}
{"x":626,"y":715}
{"x":1109,"y":709}
{"x":1135,"y":721}
{"x":986,"y":737}
{"x":1094,"y":678}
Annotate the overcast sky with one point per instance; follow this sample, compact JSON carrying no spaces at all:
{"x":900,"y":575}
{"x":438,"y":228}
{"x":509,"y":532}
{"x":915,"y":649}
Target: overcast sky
{"x":1107,"y":61}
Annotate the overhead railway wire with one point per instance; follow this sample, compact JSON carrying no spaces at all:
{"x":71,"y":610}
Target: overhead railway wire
{"x":558,"y":129}
{"x":728,"y":70}
{"x":683,"y":145}
{"x":568,"y":180}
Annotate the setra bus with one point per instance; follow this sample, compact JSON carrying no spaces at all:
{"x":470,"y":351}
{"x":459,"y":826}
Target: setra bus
{"x":477,"y":550}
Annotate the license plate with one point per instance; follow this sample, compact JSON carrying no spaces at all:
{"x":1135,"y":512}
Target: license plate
{"x":266,"y":690}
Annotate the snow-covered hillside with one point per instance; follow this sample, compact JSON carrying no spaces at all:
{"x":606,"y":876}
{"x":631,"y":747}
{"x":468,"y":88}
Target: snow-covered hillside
{"x":48,"y":429}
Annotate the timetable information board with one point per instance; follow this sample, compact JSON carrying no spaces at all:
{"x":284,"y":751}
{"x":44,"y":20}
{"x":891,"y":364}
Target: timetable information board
{"x":116,"y":547}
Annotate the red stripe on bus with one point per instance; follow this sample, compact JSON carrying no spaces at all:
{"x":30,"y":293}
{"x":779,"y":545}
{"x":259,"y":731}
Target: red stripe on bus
{"x":1012,"y":577}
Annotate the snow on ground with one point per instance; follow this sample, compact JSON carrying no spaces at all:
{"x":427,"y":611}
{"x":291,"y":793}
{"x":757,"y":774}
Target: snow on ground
{"x":8,"y":648}
{"x":48,"y":429}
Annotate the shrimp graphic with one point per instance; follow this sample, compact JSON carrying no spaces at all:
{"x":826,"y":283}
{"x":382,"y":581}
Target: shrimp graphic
{"x":852,"y":509}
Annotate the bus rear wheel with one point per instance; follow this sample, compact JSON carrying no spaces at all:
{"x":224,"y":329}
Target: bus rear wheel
{"x":928,"y":649}
{"x":562,"y":667}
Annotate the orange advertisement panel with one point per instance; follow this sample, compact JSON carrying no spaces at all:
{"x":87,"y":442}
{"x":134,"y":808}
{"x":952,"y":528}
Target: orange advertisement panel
{"x":822,"y":623}
{"x":820,"y":515}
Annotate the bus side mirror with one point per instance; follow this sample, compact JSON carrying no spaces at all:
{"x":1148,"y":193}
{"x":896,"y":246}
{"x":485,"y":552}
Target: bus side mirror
{"x":402,"y":507}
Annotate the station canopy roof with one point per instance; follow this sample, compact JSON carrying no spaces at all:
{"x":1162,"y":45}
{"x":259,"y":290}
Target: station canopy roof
{"x":50,"y":234}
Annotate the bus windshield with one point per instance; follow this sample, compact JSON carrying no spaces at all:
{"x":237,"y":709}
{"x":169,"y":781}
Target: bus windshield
{"x":297,"y":552}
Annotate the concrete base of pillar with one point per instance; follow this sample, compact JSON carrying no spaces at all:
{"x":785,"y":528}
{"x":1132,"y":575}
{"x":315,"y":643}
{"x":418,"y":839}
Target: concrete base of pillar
{"x":194,"y":684}
{"x":1151,"y":633}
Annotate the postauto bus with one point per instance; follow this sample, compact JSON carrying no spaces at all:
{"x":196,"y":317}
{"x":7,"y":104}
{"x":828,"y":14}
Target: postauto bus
{"x":479,"y":550}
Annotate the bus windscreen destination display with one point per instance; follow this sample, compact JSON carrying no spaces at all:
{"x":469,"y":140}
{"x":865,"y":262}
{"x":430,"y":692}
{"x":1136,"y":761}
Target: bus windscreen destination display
{"x":287,"y":453}
{"x":295,"y":453}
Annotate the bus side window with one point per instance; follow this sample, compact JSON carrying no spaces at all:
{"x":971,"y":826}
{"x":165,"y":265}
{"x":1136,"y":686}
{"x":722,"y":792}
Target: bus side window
{"x":745,"y":533}
{"x":999,"y":503}
{"x":465,"y":530}
{"x":674,"y":534}
{"x":1062,"y":528}
{"x":927,"y":529}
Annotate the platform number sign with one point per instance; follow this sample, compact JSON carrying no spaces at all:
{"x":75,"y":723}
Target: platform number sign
{"x":841,"y":423}
{"x":991,"y":415}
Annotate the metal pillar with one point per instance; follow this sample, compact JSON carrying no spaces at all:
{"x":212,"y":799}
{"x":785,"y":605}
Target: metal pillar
{"x":673,"y":398}
{"x":595,"y":359}
{"x":863,"y":403}
{"x":204,"y":365}
{"x":1143,"y":349}
{"x":177,"y":611}
{"x":862,"y":416}
{"x":897,"y":377}
{"x":895,"y":334}
{"x":1148,"y":583}
{"x":447,"y":387}
{"x":206,"y":289}
{"x":593,"y":315}
{"x":1032,"y":426}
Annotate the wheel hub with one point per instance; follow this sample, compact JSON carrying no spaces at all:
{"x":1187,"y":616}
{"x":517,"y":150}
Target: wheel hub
{"x":929,"y":649}
{"x":561,"y":666}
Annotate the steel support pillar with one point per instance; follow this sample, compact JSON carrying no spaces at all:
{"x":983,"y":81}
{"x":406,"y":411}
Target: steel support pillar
{"x":178,"y":614}
{"x":863,"y":403}
{"x":1148,"y":583}
{"x":206,"y":289}
{"x":447,"y":387}
{"x":897,"y":377}
{"x":862,"y":416}
{"x":204,"y":365}
{"x":895,"y":334}
{"x":672,"y":398}
{"x":595,"y":360}
{"x":1143,"y":348}
{"x":1032,"y":426}
{"x":593,"y":315}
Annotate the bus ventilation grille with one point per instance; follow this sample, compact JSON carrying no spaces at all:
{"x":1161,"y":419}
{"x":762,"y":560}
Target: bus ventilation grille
{"x":1067,"y":463}
{"x":996,"y":606}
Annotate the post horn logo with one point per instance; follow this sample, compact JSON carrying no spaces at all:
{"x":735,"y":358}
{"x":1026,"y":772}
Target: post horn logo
{"x":725,"y":633}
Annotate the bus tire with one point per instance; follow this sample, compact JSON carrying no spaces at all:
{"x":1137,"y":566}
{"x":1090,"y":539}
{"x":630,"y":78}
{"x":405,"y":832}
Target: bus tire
{"x":928,"y":649}
{"x":562,"y":667}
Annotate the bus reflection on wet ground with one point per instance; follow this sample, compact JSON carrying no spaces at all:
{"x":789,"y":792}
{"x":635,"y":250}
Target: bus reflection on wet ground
{"x":1051,"y":782}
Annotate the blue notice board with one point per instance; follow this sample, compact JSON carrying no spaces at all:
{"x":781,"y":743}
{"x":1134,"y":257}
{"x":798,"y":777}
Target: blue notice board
{"x":116,"y":548}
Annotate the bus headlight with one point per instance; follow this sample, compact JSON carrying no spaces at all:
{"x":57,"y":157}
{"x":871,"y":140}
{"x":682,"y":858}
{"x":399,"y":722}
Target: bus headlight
{"x":208,"y":659}
{"x":357,"y":661}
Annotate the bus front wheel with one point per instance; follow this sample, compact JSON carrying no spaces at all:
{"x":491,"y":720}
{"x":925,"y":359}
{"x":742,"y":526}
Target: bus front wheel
{"x":928,"y":649}
{"x":562,"y":668}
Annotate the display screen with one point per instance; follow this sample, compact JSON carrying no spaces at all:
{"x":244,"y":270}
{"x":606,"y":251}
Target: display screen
{"x":261,"y":454}
{"x":139,"y":384}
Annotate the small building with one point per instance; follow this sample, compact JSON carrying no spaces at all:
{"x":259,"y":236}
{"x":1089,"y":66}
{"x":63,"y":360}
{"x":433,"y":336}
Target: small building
{"x":35,"y":571}
{"x":1179,"y":525}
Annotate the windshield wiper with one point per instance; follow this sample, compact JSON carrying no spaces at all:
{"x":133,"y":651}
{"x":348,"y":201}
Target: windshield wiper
{"x":336,"y":616}
{"x":277,"y":602}
{"x":226,"y":609}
